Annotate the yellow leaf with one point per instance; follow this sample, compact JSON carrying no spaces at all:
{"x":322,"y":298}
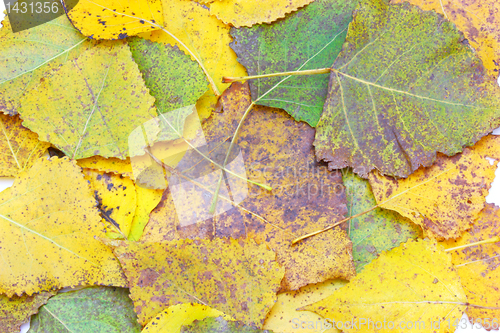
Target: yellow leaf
{"x":249,"y":12}
{"x":174,"y":317}
{"x":147,"y":200}
{"x":117,"y":200}
{"x":237,"y":277}
{"x":19,"y":145}
{"x":478,"y":267}
{"x":116,"y":19}
{"x":413,"y":285}
{"x":445,"y":198}
{"x":201,"y":36}
{"x":16,"y":310}
{"x":49,"y":230}
{"x":479,"y":20}
{"x":285,"y":318}
{"x":114,"y":165}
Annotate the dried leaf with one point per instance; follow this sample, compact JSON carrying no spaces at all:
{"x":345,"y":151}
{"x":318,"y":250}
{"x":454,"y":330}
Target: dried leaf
{"x":49,"y":230}
{"x":236,"y":277}
{"x":115,"y":19}
{"x":104,"y":100}
{"x":309,"y":39}
{"x":446,"y":198}
{"x":21,"y":147}
{"x":98,"y":309}
{"x":403,"y":88}
{"x":414,"y":284}
{"x":17,"y":310}
{"x":274,"y":150}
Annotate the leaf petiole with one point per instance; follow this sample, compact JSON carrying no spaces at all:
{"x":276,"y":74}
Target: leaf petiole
{"x":486,"y":241}
{"x":228,"y":79}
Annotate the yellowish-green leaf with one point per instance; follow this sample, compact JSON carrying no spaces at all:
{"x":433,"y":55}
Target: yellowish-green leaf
{"x":147,"y":200}
{"x":49,"y":230}
{"x":16,"y":310}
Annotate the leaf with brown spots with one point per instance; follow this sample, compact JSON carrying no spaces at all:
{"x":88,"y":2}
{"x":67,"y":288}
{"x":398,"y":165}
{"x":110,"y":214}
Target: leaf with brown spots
{"x":49,"y":232}
{"x":478,"y":267}
{"x":273,"y":150}
{"x":237,"y":277}
{"x":16,"y":310}
{"x":446,"y":198}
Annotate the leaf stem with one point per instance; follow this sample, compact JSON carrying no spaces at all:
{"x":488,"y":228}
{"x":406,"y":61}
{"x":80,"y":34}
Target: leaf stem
{"x":486,"y":241}
{"x":228,"y":79}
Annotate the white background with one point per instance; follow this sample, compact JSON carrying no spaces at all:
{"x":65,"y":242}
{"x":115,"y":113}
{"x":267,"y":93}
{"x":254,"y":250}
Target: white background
{"x":493,"y":197}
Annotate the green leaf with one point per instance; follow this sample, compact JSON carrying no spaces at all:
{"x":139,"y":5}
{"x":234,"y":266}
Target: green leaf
{"x":27,"y":56}
{"x":376,"y":231}
{"x":95,"y":309}
{"x":404,"y":87}
{"x":175,"y":80}
{"x":219,"y":325}
{"x":309,"y":39}
{"x":90,"y":106}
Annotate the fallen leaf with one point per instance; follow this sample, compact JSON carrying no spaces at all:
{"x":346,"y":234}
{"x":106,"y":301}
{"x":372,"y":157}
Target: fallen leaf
{"x":274,"y":150}
{"x":249,"y":12}
{"x":49,"y":230}
{"x":403,"y":88}
{"x":239,"y":278}
{"x":219,"y":325}
{"x":16,"y":310}
{"x":201,"y":36}
{"x":114,"y":165}
{"x":478,"y":267}
{"x":28,"y":56}
{"x":115,"y":19}
{"x":147,"y":200}
{"x":446,"y":198}
{"x":97,"y":309}
{"x":479,"y":21}
{"x":21,"y":147}
{"x":104,"y":100}
{"x":376,"y":231}
{"x":414,"y":284}
{"x":308,"y":39}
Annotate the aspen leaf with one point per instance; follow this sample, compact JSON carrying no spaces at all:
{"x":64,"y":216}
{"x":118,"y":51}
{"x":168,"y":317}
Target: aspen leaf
{"x":478,"y":267}
{"x":237,"y":277}
{"x":147,"y":200}
{"x":28,"y":56}
{"x":308,"y":39}
{"x":446,"y":198}
{"x":403,"y":87}
{"x":49,"y":229}
{"x":105,"y":99}
{"x":16,"y":310}
{"x":219,"y":325}
{"x":115,"y":19}
{"x":112,"y":164}
{"x":478,"y":19}
{"x":21,"y":147}
{"x":414,"y":283}
{"x":305,"y":196}
{"x":172,"y":318}
{"x":96,"y":309}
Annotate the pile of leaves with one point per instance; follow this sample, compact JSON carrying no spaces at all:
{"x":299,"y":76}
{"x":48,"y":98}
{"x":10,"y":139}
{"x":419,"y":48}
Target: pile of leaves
{"x":244,"y":165}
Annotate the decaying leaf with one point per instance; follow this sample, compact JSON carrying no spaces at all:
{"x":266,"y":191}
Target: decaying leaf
{"x":246,"y":13}
{"x":97,"y":309}
{"x":308,"y":39}
{"x":115,"y":19}
{"x":446,"y":198}
{"x":117,"y":200}
{"x":478,"y":268}
{"x":104,"y":100}
{"x":414,"y":284}
{"x":19,"y":145}
{"x":219,"y":325}
{"x":376,"y":231}
{"x":172,"y":318}
{"x":274,"y":150}
{"x":403,"y":88}
{"x":16,"y":310}
{"x":478,"y":19}
{"x":26,"y":57}
{"x":49,"y":230}
{"x":239,"y":278}
{"x":201,"y":36}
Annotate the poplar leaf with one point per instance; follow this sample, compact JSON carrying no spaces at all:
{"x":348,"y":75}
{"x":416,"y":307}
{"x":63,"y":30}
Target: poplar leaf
{"x":16,"y":310}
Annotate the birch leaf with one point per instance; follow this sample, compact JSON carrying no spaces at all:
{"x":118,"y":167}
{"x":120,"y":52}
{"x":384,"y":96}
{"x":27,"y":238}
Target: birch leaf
{"x":446,"y":198}
{"x":17,"y":310}
{"x":20,"y":147}
{"x":50,"y":226}
{"x":403,"y":87}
